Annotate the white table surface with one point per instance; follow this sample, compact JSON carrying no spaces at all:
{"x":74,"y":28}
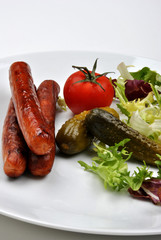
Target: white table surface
{"x":121,"y":26}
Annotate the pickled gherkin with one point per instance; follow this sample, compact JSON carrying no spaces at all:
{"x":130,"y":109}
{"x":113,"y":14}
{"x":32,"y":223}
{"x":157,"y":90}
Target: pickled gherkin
{"x":73,"y":137}
{"x":110,"y":130}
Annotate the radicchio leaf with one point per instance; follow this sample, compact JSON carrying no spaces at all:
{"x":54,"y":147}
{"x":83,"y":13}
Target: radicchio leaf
{"x":150,"y":189}
{"x":135,"y":89}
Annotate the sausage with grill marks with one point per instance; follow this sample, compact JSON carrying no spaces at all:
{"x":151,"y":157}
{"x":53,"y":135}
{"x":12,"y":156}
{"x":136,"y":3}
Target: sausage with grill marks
{"x":14,"y":148}
{"x":31,"y":121}
{"x":47,"y":94}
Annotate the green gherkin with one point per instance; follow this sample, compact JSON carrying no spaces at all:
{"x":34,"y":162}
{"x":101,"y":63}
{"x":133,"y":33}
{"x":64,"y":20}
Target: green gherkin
{"x":110,"y":130}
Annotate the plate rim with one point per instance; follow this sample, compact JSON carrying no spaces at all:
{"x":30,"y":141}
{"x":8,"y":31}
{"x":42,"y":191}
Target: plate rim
{"x":75,"y":51}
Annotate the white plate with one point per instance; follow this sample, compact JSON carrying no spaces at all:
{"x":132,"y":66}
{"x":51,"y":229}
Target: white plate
{"x":70,"y":198}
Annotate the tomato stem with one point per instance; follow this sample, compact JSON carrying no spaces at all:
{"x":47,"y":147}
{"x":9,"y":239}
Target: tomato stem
{"x":90,"y":76}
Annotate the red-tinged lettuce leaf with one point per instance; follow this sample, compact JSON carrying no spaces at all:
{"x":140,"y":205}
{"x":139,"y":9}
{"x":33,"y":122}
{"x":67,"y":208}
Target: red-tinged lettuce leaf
{"x":135,"y":89}
{"x":150,"y":189}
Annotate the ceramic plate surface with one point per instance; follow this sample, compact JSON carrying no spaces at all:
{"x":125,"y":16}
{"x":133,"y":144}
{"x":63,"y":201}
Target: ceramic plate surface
{"x":70,"y":198}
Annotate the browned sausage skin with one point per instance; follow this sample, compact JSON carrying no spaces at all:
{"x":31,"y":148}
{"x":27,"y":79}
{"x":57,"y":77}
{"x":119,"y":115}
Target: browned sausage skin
{"x":47,"y":94}
{"x":28,"y":111}
{"x":14,"y":148}
{"x":41,"y":165}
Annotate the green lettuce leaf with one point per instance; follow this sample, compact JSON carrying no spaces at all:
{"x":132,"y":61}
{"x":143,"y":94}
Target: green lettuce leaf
{"x":111,"y":166}
{"x":148,"y":76}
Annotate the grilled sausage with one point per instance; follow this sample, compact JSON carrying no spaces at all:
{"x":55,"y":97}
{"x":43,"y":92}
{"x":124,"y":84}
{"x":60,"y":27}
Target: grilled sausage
{"x":28,"y":111}
{"x":47,"y":94}
{"x":14,"y":148}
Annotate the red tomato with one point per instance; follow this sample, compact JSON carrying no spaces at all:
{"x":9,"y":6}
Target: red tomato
{"x":82,"y":93}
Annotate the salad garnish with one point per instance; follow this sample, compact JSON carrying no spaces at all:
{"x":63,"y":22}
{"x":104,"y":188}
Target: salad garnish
{"x":111,"y":166}
{"x":140,"y":102}
{"x":143,"y":113}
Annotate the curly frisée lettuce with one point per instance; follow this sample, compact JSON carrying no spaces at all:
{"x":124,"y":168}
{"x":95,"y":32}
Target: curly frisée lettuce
{"x":111,"y":166}
{"x":128,"y":107}
{"x":143,"y":115}
{"x":146,"y":120}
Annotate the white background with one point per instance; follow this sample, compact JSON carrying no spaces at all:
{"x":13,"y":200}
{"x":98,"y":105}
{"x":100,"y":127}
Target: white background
{"x":121,"y":26}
